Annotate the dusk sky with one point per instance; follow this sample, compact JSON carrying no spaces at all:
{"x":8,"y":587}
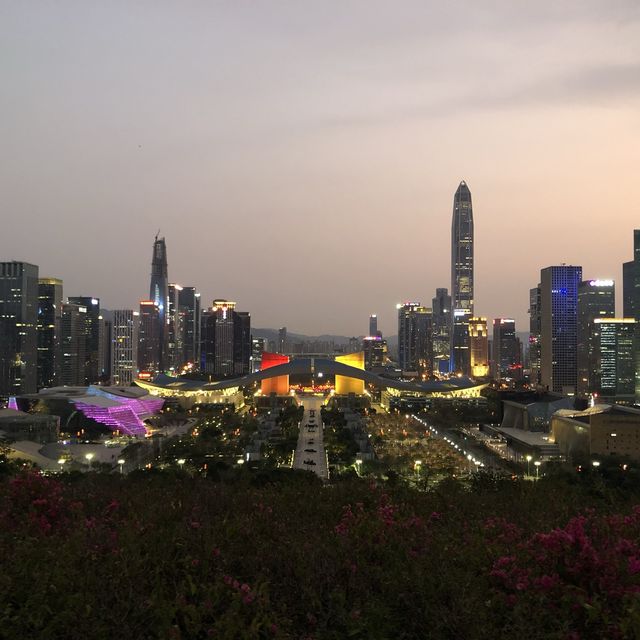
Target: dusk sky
{"x":301,"y":157}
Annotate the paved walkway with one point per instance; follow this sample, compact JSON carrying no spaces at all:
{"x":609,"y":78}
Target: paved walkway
{"x":310,"y":453}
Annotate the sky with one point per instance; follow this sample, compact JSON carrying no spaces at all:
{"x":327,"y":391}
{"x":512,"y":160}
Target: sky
{"x":301,"y":157}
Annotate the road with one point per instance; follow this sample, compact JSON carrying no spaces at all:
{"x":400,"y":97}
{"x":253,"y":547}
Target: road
{"x":310,"y":454}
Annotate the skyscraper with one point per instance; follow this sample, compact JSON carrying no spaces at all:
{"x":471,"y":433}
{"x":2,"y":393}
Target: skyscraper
{"x":73,"y":345}
{"x":226,"y":340}
{"x":441,"y":309}
{"x":415,"y":339}
{"x":49,"y":328}
{"x":461,"y":278}
{"x":175,"y":328}
{"x":18,"y":328}
{"x":124,"y":346}
{"x":596,"y":299}
{"x":91,"y":334}
{"x":150,"y":335}
{"x":559,"y":327}
{"x":159,"y":294}
{"x":479,"y":347}
{"x":613,"y":377}
{"x":506,"y":350}
{"x":535,"y":333}
{"x":373,"y":325}
{"x":190,"y":312}
{"x":241,"y":342}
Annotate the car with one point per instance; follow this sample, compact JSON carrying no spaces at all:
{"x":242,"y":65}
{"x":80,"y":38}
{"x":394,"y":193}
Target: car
{"x":310,"y":462}
{"x":310,"y":442}
{"x":310,"y":451}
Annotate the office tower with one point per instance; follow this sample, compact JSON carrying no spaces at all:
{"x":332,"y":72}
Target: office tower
{"x":241,"y":342}
{"x":415,"y":339}
{"x":461,"y":278}
{"x":613,"y":360}
{"x":222,"y":327}
{"x":175,"y":329}
{"x":373,"y":325}
{"x":190,"y":312}
{"x":49,"y":328}
{"x":124,"y":346}
{"x":559,"y":327}
{"x":149,"y":339}
{"x":628,"y":288}
{"x":375,"y":348}
{"x":506,"y":349}
{"x":18,"y":332}
{"x":73,"y":345}
{"x":479,"y":347}
{"x":441,"y":309}
{"x":90,"y":333}
{"x":596,"y":299}
{"x":535,"y":334}
{"x":282,"y":340}
{"x":159,"y":295}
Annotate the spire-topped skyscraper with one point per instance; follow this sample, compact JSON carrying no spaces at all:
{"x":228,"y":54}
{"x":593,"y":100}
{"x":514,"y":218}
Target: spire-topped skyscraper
{"x":159,"y":294}
{"x":461,"y":278}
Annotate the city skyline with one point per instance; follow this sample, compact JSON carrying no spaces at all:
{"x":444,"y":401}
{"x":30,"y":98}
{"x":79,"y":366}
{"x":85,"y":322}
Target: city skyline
{"x":336,"y":163}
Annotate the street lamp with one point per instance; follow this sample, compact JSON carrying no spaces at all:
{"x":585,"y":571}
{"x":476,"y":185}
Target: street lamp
{"x":61,"y":462}
{"x":595,"y":463}
{"x":528,"y":459}
{"x":89,"y":458}
{"x":358,"y":466}
{"x":537,"y":463}
{"x":121,"y":464}
{"x":181,"y":462}
{"x":417,"y":465}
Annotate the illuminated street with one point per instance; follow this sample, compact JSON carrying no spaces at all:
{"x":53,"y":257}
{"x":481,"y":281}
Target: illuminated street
{"x":310,"y":454}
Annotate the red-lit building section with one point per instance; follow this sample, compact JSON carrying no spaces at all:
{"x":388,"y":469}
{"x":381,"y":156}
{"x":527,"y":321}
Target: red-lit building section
{"x":280,"y":384}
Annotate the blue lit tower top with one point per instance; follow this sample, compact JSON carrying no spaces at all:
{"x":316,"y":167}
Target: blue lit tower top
{"x":462,"y":250}
{"x":159,"y":292}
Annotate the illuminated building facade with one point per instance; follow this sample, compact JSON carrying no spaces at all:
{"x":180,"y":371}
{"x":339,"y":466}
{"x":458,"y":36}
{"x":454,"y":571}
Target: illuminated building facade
{"x":49,"y":328}
{"x":241,"y":342}
{"x":124,"y":346}
{"x":479,"y":347}
{"x":506,"y":349}
{"x":375,"y":350}
{"x":559,"y":327}
{"x":596,"y":299}
{"x":159,"y":295}
{"x":175,"y":329}
{"x":373,"y":325}
{"x":149,"y":339}
{"x":190,"y":312}
{"x":462,"y":278}
{"x":18,"y":328}
{"x":226,"y":340}
{"x":278,"y":384}
{"x":346,"y":385}
{"x":613,"y":361}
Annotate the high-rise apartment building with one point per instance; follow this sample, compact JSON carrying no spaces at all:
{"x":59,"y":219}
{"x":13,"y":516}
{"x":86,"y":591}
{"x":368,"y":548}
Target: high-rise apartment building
{"x":49,"y":328}
{"x":241,"y":342}
{"x":149,"y":338}
{"x":175,"y":329}
{"x":159,"y":295}
{"x":18,"y":328}
{"x":124,"y":346}
{"x":441,"y":309}
{"x":282,"y":340}
{"x":559,"y":327}
{"x":596,"y":299}
{"x":506,"y":349}
{"x":462,"y":276}
{"x":479,"y":347}
{"x":613,"y":360}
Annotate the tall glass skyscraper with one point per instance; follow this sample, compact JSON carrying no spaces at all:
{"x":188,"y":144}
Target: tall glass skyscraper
{"x":559,"y":327}
{"x":159,"y":294}
{"x":461,"y":278}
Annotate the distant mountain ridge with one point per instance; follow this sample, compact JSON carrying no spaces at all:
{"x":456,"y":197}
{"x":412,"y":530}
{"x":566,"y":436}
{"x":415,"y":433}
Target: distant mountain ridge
{"x":272,"y":334}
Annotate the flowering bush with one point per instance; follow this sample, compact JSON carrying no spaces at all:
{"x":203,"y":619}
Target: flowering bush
{"x":158,"y":556}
